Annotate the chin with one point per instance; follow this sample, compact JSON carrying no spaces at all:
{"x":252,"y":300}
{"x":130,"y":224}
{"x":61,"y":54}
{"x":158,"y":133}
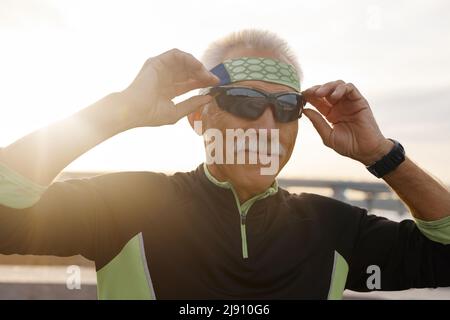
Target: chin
{"x":250,"y":174}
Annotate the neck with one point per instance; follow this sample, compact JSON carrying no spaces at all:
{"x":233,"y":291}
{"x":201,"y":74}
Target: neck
{"x":244,"y":191}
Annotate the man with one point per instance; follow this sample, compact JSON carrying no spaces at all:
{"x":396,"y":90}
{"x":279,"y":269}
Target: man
{"x":224,"y":230}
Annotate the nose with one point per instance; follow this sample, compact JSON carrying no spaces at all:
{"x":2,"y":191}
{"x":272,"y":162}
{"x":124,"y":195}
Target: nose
{"x":266,"y":120}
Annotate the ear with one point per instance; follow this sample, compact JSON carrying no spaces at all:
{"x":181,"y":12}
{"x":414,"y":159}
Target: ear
{"x":194,"y":117}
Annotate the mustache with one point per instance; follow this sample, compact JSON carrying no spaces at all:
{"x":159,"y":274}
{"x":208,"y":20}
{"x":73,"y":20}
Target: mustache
{"x":264,"y":147}
{"x":256,"y":141}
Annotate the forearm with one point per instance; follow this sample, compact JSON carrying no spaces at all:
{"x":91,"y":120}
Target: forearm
{"x":426,"y":198}
{"x":41,"y":155}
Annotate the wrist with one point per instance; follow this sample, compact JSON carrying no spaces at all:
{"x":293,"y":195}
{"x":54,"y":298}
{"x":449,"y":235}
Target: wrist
{"x":389,"y":162}
{"x":125,"y":117}
{"x":383,"y":149}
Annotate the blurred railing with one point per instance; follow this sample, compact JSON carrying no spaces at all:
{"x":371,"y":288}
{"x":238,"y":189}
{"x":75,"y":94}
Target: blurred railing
{"x":377,"y":196}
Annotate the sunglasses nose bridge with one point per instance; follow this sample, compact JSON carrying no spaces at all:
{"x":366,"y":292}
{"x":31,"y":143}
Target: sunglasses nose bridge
{"x":272,"y":99}
{"x":267,"y":119}
{"x":272,"y":103}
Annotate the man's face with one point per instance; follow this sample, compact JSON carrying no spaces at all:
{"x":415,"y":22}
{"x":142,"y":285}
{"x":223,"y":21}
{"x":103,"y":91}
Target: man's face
{"x":250,"y":174}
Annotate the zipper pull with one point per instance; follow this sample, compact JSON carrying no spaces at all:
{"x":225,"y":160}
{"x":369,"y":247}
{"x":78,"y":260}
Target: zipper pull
{"x":244,"y":236}
{"x":243,"y":219}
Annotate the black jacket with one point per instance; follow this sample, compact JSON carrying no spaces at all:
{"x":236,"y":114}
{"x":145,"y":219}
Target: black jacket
{"x":191,"y":230}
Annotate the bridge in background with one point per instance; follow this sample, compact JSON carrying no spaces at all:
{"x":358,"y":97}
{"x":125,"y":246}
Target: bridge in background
{"x":377,"y":195}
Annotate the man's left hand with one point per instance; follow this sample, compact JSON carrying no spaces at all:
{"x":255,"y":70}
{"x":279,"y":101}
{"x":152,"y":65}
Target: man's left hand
{"x":350,"y":127}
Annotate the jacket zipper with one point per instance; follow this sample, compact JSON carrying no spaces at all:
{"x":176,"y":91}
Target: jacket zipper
{"x":244,"y":208}
{"x":243,"y":217}
{"x":244,"y":235}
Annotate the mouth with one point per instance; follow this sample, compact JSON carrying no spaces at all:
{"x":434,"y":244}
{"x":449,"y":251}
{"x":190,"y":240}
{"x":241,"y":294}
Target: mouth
{"x":259,"y":152}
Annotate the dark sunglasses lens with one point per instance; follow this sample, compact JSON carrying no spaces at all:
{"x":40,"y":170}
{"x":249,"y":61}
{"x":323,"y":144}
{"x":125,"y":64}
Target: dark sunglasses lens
{"x":288,"y":107}
{"x":242,"y":102}
{"x":250,"y":104}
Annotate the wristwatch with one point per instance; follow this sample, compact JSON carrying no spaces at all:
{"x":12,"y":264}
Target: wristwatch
{"x":389,"y":162}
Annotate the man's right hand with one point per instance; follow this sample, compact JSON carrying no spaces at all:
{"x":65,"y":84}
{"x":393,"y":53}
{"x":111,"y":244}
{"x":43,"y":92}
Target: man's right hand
{"x":162,"y":78}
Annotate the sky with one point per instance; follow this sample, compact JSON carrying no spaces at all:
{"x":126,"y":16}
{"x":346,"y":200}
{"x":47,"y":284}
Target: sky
{"x":57,"y":57}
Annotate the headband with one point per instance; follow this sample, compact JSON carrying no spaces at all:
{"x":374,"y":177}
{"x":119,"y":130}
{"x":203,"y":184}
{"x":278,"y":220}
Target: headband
{"x":254,"y":68}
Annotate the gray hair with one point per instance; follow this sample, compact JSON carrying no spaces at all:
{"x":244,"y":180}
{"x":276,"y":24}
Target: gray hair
{"x":252,"y":39}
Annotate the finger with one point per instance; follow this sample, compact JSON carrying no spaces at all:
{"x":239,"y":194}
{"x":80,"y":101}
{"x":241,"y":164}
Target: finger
{"x":185,"y":66}
{"x":176,"y":89}
{"x":174,"y":65}
{"x":310,"y":91}
{"x":320,"y":104}
{"x":328,"y":88}
{"x":320,"y":124}
{"x":203,"y":75}
{"x":197,"y":70}
{"x":353,"y":92}
{"x":337,"y":94}
{"x":190,"y":105}
{"x":183,"y":87}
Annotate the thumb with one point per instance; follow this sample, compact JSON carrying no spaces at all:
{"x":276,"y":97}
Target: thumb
{"x":320,"y":124}
{"x":190,"y":105}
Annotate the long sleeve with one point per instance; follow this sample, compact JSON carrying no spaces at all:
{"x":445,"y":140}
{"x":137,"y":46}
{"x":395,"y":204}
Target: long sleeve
{"x":407,"y":258}
{"x":94,"y":217}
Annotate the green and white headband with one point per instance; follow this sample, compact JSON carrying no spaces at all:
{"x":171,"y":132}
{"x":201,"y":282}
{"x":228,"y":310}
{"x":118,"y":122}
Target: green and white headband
{"x":255,"y":68}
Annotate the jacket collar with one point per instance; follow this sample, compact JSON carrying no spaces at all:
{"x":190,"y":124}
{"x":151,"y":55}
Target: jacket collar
{"x":273,"y":189}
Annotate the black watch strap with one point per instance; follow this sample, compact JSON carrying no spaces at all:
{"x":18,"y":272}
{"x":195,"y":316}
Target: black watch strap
{"x":389,"y":162}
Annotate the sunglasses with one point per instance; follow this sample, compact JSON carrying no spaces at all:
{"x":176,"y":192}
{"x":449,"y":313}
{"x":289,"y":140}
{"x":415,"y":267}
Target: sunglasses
{"x":251,"y":103}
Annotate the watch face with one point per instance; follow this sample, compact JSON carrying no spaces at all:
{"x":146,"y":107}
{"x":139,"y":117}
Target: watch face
{"x":389,"y":162}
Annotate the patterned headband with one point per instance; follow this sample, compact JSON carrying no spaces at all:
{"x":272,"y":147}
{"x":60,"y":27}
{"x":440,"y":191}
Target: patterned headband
{"x":255,"y":68}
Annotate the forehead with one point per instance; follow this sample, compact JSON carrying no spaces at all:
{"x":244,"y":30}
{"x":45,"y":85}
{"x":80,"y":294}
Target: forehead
{"x":257,"y":84}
